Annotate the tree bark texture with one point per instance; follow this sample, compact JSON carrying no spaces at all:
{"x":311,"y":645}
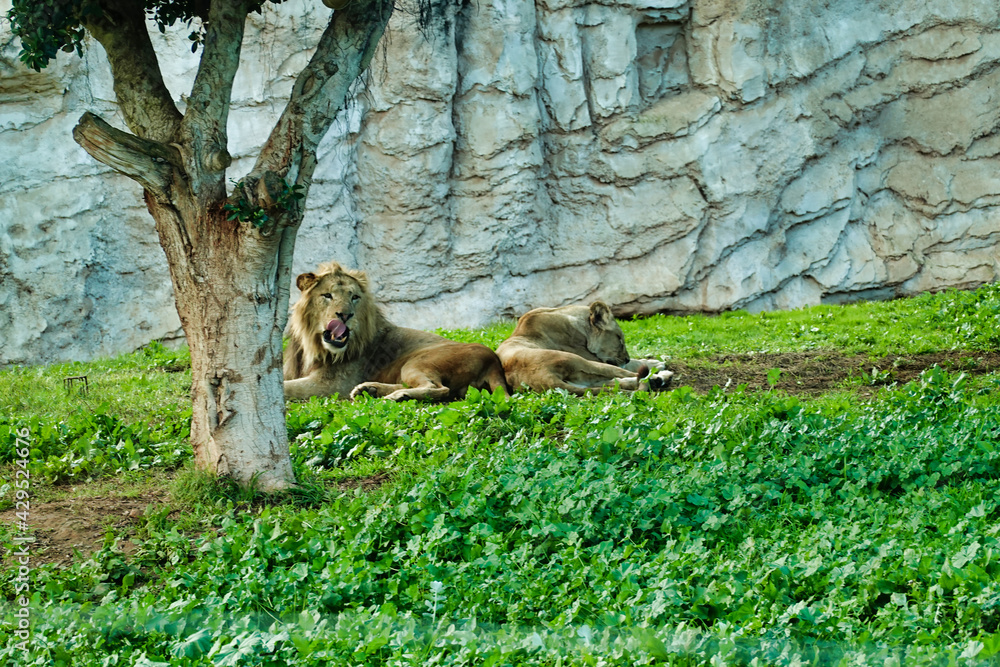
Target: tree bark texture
{"x":231,"y":277}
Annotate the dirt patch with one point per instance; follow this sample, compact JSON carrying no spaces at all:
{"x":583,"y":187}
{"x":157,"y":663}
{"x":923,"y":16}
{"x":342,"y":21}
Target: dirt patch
{"x":369,"y":483}
{"x":812,"y":373}
{"x":62,"y":527}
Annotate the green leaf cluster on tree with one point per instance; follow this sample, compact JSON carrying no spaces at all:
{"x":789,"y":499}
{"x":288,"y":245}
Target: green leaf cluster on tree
{"x":49,"y":26}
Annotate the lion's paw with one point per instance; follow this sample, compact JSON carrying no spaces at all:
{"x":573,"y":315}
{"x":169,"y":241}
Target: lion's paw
{"x":655,"y":365}
{"x":366,"y":388}
{"x":660,"y":380}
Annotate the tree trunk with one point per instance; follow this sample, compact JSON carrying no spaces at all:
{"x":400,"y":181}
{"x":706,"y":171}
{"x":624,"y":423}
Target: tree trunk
{"x":232,"y":301}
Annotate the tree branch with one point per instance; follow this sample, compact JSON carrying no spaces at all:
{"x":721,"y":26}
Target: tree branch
{"x":146,"y":104}
{"x":321,"y":89}
{"x":204,"y":124}
{"x":148,"y":162}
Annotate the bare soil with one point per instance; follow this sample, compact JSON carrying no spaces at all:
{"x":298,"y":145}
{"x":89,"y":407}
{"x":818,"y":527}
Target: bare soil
{"x":369,"y":483}
{"x":76,"y":527}
{"x":814,"y":373}
{"x":65,"y":528}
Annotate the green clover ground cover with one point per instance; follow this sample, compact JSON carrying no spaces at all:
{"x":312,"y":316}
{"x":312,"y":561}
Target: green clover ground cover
{"x":134,"y":416}
{"x":675,"y":528}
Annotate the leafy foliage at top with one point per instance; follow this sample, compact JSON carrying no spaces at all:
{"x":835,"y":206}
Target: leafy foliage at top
{"x":46,"y":27}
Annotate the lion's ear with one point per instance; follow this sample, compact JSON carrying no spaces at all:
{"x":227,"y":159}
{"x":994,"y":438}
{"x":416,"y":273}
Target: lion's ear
{"x":306,"y":280}
{"x":601,"y":315}
{"x":362,"y":279}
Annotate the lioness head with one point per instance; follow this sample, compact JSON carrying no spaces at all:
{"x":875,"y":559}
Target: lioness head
{"x":335,"y":316}
{"x":605,"y":339}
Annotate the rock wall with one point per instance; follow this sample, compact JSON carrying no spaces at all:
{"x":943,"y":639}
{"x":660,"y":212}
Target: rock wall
{"x":681,"y":155}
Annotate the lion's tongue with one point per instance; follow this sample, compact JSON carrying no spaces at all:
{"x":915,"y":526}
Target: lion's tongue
{"x":337,"y":328}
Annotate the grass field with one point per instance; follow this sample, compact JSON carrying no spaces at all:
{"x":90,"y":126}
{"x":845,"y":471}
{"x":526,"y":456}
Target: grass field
{"x":820,"y":487}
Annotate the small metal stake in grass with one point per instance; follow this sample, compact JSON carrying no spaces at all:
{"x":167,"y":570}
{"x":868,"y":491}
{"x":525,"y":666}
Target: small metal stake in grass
{"x":74,"y":380}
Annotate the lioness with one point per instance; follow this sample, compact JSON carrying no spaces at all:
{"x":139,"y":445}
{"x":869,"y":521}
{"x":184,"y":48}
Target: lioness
{"x":576,"y":348}
{"x":341,"y":343}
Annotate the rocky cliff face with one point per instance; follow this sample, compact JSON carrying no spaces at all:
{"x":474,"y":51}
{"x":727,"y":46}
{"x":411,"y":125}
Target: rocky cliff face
{"x":690,"y":155}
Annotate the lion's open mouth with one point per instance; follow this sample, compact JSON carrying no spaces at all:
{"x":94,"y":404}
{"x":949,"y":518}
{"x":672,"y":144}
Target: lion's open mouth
{"x":336,"y":333}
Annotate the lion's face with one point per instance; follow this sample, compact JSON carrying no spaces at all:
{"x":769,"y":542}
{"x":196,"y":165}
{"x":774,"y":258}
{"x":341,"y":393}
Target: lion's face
{"x":335,"y":309}
{"x":605,"y":339}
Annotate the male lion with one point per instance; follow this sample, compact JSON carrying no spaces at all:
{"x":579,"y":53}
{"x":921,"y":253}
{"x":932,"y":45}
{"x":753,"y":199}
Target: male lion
{"x":341,"y":343}
{"x":576,"y":348}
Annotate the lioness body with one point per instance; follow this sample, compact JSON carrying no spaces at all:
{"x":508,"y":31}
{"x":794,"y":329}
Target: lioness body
{"x":576,"y":348}
{"x":341,"y":343}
